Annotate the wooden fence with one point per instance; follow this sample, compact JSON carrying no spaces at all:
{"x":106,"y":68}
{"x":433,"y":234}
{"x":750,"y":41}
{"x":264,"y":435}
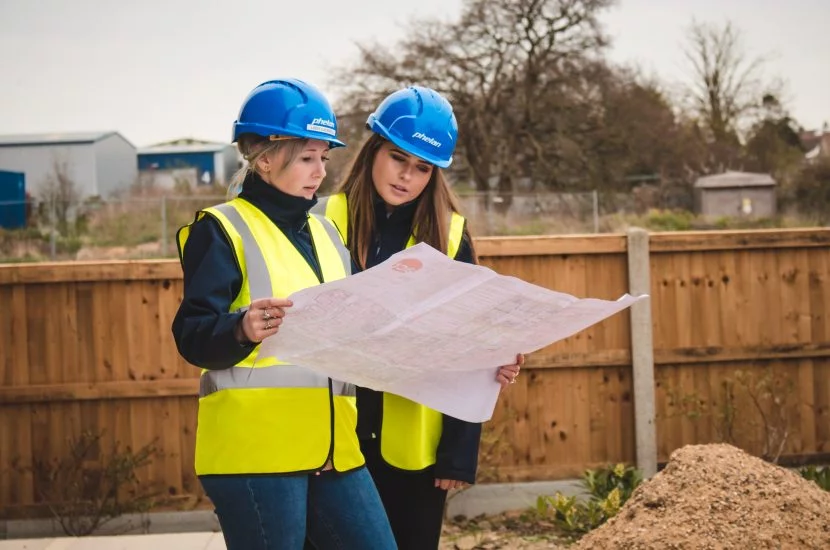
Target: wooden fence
{"x":741,"y":342}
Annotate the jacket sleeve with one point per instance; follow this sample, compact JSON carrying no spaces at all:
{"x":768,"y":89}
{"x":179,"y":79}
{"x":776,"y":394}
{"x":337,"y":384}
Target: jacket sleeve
{"x":204,"y":327}
{"x":457,"y":456}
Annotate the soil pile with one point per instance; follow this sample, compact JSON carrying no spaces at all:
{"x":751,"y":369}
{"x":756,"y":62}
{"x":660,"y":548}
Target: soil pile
{"x":719,"y":497}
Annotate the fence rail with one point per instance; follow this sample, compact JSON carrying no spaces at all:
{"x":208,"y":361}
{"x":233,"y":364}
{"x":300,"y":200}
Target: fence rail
{"x":739,"y":327}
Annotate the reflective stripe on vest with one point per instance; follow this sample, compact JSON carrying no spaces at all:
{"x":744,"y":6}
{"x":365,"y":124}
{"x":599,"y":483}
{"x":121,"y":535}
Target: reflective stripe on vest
{"x":410,"y":432}
{"x":278,"y":376}
{"x":258,"y":278}
{"x":264,"y":415}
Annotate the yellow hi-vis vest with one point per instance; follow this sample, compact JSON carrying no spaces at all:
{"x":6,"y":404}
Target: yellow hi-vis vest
{"x":265,"y":415}
{"x":410,"y":432}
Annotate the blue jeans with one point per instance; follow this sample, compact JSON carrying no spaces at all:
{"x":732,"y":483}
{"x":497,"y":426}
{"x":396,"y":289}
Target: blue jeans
{"x":274,"y":512}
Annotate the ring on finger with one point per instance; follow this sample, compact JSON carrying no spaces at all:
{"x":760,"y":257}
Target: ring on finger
{"x":266,"y":314}
{"x":268,"y":324}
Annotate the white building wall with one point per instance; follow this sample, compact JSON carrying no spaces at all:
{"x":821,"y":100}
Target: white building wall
{"x":116,"y":165}
{"x":226,"y":163}
{"x":38,"y":163}
{"x":219,"y":174}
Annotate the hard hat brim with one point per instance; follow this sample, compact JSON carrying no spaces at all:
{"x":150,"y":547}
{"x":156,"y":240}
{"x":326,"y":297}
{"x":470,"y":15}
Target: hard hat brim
{"x":374,"y":125}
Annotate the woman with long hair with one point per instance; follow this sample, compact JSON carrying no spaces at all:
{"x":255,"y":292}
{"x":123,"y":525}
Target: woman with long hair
{"x":394,"y":196}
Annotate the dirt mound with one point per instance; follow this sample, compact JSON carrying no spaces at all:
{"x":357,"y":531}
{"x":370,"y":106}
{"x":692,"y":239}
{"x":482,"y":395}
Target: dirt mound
{"x":719,"y":497}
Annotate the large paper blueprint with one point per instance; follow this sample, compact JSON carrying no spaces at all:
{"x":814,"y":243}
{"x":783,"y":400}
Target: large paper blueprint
{"x":429,"y":328}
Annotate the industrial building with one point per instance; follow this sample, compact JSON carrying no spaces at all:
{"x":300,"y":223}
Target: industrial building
{"x":97,"y":163}
{"x":188,"y":160}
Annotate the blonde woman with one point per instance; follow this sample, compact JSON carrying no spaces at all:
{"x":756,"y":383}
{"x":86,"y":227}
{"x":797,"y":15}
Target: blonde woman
{"x":276,"y":449}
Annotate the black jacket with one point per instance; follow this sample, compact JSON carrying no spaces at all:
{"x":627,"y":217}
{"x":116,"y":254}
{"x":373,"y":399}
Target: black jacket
{"x":203,"y":327}
{"x":457,"y":456}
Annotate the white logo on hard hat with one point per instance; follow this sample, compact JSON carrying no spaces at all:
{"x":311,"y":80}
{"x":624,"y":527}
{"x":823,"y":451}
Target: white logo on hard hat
{"x":423,"y":137}
{"x":322,"y":125}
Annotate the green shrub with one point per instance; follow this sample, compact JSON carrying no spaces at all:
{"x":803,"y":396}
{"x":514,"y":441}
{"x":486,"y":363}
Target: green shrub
{"x":669,"y":220}
{"x":821,"y":476}
{"x":608,"y":490}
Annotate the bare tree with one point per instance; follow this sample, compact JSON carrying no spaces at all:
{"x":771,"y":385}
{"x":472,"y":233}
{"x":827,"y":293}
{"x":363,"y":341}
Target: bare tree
{"x":507,"y":68}
{"x":725,"y":89}
{"x":59,"y":194}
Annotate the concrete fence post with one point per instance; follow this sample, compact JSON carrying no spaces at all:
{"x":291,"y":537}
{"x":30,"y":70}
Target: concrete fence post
{"x":642,"y":352}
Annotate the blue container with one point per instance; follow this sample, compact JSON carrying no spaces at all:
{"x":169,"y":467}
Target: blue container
{"x":12,"y":200}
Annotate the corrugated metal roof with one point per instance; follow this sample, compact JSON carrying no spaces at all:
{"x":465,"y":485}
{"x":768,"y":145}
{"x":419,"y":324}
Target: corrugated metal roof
{"x":735,"y":179}
{"x":65,"y":138}
{"x":163,"y":149}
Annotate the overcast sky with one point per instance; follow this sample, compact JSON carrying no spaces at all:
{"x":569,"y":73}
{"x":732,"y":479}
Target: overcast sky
{"x":158,"y":70}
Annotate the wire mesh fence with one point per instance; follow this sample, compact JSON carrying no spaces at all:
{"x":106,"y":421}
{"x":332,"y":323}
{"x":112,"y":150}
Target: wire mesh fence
{"x":145,"y":225}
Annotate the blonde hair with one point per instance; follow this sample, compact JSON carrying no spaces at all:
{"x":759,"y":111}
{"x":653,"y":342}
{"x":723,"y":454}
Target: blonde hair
{"x":432,"y":215}
{"x":252,"y":147}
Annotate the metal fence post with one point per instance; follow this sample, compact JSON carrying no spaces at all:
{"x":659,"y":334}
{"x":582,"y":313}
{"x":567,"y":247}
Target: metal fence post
{"x":163,"y":225}
{"x":53,"y":234}
{"x":642,"y":352}
{"x":596,"y":211}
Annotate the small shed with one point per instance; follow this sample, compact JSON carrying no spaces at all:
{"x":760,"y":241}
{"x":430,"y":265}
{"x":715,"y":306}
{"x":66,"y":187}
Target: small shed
{"x":736,"y":194}
{"x":198,"y":162}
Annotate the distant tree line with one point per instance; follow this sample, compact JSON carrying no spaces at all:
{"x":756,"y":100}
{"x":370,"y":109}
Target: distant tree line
{"x":541,"y":107}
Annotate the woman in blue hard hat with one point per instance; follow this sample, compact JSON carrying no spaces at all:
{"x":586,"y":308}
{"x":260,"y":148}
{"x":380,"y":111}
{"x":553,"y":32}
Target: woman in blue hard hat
{"x":395,"y":196}
{"x":276,"y":449}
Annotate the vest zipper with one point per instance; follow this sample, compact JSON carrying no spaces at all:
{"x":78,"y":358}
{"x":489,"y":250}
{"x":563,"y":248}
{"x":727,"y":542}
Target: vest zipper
{"x":330,"y":455}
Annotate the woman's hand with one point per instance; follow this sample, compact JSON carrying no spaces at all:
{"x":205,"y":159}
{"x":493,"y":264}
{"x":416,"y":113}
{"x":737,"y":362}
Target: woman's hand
{"x":507,"y":373}
{"x":447,"y":484}
{"x":263,"y":319}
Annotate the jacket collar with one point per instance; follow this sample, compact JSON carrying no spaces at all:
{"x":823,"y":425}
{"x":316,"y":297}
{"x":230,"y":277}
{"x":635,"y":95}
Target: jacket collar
{"x":283,"y":209}
{"x":400,"y":215}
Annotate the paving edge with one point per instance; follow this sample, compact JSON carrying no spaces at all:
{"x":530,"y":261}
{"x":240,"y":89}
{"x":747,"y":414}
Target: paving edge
{"x":133,"y":524}
{"x":492,"y":498}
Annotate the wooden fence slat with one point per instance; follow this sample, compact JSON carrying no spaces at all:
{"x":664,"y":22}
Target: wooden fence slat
{"x":35,"y":315}
{"x":726,"y":298}
{"x":68,"y":321}
{"x":167,"y":304}
{"x":187,"y":444}
{"x":821,"y":405}
{"x":597,"y":427}
{"x":772,"y":329}
{"x":626,"y":415}
{"x":85,"y":332}
{"x":8,"y":338}
{"x":119,"y":297}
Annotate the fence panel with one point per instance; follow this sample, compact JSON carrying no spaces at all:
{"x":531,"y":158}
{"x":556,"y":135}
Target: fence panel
{"x":741,"y":346}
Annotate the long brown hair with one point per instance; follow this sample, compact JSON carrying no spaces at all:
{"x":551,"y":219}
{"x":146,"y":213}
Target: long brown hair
{"x":431,"y":224}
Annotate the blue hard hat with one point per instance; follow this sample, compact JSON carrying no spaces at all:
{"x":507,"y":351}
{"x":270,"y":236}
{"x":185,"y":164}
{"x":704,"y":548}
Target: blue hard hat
{"x":287,"y":107}
{"x":419,"y":121}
